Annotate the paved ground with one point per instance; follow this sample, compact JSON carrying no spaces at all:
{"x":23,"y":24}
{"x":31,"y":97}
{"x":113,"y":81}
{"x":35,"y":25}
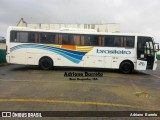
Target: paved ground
{"x":26,"y":88}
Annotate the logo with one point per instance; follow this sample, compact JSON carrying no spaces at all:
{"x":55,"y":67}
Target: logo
{"x":28,"y":114}
{"x":83,"y":75}
{"x":141,"y":64}
{"x":113,"y":51}
{"x":6,"y":114}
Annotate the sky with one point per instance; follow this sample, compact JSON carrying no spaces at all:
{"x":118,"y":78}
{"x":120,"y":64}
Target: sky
{"x":134,"y":16}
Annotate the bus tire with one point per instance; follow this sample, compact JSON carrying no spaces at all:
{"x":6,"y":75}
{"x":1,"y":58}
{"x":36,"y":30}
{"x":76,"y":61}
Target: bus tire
{"x":45,"y":63}
{"x":126,"y":67}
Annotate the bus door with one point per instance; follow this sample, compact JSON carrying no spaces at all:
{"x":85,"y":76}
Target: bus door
{"x":145,"y":53}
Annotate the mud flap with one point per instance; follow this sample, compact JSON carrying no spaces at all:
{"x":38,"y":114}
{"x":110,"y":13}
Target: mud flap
{"x":154,"y":66}
{"x":141,"y":65}
{"x":155,"y":63}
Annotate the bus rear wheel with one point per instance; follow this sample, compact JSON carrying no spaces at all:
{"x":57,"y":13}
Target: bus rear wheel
{"x":46,"y":63}
{"x":126,"y":67}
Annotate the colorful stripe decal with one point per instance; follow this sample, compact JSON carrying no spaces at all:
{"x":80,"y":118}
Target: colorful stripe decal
{"x":72,"y":55}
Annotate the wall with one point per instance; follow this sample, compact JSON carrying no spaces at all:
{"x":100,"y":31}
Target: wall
{"x":110,"y":27}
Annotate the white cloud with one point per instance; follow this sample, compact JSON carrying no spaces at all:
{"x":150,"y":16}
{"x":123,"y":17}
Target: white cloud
{"x":140,"y":16}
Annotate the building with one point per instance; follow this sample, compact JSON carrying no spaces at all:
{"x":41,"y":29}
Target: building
{"x":22,"y":23}
{"x":108,"y":27}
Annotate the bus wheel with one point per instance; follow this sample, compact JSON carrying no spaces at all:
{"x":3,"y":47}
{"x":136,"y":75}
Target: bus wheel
{"x":46,"y":63}
{"x":126,"y":67}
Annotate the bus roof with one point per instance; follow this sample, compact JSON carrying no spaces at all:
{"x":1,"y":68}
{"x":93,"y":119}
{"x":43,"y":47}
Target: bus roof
{"x":75,"y":31}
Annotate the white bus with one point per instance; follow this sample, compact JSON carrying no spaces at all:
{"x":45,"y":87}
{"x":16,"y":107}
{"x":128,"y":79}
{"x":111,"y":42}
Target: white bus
{"x":80,"y":48}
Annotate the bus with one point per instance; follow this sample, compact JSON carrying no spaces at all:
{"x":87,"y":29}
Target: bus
{"x":80,"y":48}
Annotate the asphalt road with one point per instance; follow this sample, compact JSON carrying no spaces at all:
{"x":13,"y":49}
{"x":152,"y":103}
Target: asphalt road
{"x":27,"y":88}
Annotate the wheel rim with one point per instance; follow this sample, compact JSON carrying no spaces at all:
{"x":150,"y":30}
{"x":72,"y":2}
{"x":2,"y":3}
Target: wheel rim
{"x":46,"y":64}
{"x":126,"y":67}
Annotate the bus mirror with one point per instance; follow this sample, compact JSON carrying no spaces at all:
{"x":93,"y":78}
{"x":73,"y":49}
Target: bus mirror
{"x":156,"y":45}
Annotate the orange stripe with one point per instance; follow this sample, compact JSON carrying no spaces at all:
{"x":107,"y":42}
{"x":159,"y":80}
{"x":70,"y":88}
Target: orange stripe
{"x":70,"y":47}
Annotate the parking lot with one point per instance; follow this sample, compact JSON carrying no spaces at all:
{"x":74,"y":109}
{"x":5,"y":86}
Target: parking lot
{"x":27,"y":88}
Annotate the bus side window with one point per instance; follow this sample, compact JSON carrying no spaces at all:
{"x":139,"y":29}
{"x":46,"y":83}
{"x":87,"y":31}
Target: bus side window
{"x":31,"y":37}
{"x":51,"y":38}
{"x":87,"y":40}
{"x":82,"y":40}
{"x":129,"y":42}
{"x":109,"y":41}
{"x":13,"y":36}
{"x":56,"y":38}
{"x":60,"y":39}
{"x":117,"y":42}
{"x":101,"y":41}
{"x":65,"y":40}
{"x":94,"y":40}
{"x":74,"y":39}
{"x":77,"y":39}
{"x":37,"y":37}
{"x":22,"y":37}
{"x":71,"y":39}
{"x":43,"y":38}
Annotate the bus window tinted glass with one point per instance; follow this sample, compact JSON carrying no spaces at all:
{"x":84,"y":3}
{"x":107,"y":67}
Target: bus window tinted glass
{"x":34,"y":37}
{"x":119,"y":41}
{"x":43,"y":38}
{"x":22,"y":37}
{"x":109,"y":41}
{"x":94,"y":40}
{"x":13,"y":36}
{"x":65,"y":40}
{"x":75,"y":39}
{"x":19,"y":36}
{"x":31,"y":37}
{"x":85,"y":40}
{"x":51,"y":38}
{"x":129,"y":42}
{"x":101,"y":40}
{"x":46,"y":38}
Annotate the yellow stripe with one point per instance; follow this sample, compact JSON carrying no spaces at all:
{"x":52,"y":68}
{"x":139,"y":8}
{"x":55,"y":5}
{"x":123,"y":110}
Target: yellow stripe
{"x":84,"y":49}
{"x":67,"y":102}
{"x":78,"y":102}
{"x":85,"y":46}
{"x":53,"y":45}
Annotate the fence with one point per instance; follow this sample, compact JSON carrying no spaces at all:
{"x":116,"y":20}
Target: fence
{"x":158,"y":56}
{"x":2,"y":56}
{"x":2,"y":53}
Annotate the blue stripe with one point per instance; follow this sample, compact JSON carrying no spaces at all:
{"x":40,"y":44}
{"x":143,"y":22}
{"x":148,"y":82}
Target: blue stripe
{"x":74,"y":56}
